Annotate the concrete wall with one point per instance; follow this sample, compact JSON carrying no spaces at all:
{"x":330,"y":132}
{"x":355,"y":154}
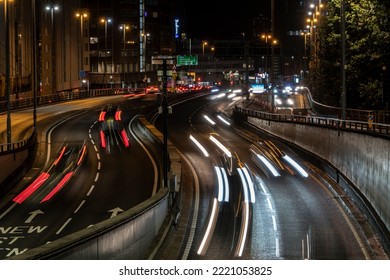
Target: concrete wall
{"x":363,"y":159}
{"x":9,"y":163}
{"x":126,"y":236}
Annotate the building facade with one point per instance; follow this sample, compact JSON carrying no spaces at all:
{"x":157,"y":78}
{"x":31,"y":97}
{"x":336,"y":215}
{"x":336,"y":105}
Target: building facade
{"x":82,"y":44}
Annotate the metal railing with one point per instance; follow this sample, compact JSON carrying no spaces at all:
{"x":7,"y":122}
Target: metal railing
{"x":27,"y":102}
{"x":377,"y":129}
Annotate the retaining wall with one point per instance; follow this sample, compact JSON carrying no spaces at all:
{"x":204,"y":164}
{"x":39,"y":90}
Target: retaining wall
{"x":363,"y":159}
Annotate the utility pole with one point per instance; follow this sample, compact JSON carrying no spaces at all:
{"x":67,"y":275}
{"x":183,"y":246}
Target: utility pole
{"x":343,"y":81}
{"x":7,"y":73}
{"x":164,"y":61}
{"x":34,"y":63}
{"x":272,"y":78}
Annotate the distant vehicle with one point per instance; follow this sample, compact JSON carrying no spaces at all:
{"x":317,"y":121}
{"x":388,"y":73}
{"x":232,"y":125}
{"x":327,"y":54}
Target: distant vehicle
{"x":112,"y":132}
{"x":152,"y":89}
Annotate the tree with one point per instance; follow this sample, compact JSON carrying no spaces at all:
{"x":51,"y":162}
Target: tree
{"x":367,"y":51}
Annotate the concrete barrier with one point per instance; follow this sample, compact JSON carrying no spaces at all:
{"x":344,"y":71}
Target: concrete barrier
{"x":363,"y":159}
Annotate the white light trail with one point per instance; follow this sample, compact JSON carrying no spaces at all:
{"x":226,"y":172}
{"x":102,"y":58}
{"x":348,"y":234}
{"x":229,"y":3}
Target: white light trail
{"x":209,"y":120}
{"x":223,"y":120}
{"x":244,"y":229}
{"x":250,"y":185}
{"x":210,"y":227}
{"x":296,"y":166}
{"x":226,"y":185}
{"x":244,"y":185}
{"x":222,"y":147}
{"x":220,"y":183}
{"x":269,"y":165}
{"x":230,"y":96}
{"x":206,"y":154}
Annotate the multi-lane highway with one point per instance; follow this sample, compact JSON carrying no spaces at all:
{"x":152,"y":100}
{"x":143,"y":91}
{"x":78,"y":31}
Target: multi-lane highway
{"x":253,"y":197}
{"x":93,"y":170}
{"x":257,"y":198}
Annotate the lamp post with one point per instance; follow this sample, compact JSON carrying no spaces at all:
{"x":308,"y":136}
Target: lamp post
{"x":7,"y":72}
{"x":105,"y":21}
{"x":52,"y":8}
{"x":266,"y":37}
{"x":81,"y":16}
{"x":305,"y":34}
{"x":34,"y":62}
{"x":203,"y":45}
{"x":124,"y":27}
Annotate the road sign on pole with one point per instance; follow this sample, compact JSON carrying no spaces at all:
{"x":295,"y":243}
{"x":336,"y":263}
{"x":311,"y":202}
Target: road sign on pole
{"x":187,"y":60}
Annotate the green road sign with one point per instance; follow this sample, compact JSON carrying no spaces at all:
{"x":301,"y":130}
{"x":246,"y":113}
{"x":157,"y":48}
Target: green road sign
{"x":187,"y":60}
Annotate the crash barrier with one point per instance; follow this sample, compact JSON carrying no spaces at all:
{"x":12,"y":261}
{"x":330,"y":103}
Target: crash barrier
{"x":128,"y":235}
{"x":374,"y":129}
{"x":361,"y":154}
{"x":376,"y":116}
{"x":27,"y":100}
{"x":16,"y":156}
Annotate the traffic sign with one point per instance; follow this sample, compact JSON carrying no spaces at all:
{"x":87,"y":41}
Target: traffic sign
{"x":159,"y":59}
{"x":187,"y":60}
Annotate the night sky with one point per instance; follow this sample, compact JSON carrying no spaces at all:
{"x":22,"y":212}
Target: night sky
{"x":212,"y":19}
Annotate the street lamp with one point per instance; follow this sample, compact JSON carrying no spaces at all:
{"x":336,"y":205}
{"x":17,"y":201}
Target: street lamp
{"x":203,"y":45}
{"x":81,"y":16}
{"x":266,"y":37}
{"x":7,"y":72}
{"x":105,"y":21}
{"x":124,"y":27}
{"x":305,"y":34}
{"x":53,"y":8}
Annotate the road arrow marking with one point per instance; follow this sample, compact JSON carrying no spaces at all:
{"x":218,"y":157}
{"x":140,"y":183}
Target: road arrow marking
{"x":33,"y":214}
{"x":115,"y":212}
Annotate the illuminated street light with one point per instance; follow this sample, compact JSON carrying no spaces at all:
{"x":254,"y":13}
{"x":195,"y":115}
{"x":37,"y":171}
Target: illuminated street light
{"x":203,"y":45}
{"x":105,"y":21}
{"x":124,"y":27}
{"x":81,"y":16}
{"x":305,"y":34}
{"x":53,"y":8}
{"x":266,"y":37}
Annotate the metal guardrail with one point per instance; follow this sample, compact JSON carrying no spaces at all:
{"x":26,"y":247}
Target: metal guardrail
{"x":378,"y":129}
{"x":377,"y":116}
{"x":27,"y":102}
{"x":18,"y":145}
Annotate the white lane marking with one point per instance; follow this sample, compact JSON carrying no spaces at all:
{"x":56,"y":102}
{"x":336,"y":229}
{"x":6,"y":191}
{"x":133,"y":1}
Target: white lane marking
{"x":97,"y":177}
{"x":6,"y":211}
{"x":277,"y":249}
{"x":274,"y":223}
{"x":78,"y":208}
{"x":63,"y":226}
{"x":90,"y":190}
{"x":269,"y":204}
